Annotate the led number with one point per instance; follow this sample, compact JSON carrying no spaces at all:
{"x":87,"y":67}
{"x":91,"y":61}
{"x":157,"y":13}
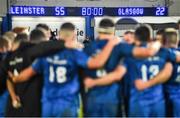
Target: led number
{"x":101,"y":72}
{"x":92,"y":11}
{"x":160,"y":11}
{"x":153,"y":70}
{"x":59,"y":72}
{"x":59,"y":11}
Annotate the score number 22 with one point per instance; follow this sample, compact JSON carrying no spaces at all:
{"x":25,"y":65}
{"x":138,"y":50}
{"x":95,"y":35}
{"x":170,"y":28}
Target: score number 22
{"x":160,"y":11}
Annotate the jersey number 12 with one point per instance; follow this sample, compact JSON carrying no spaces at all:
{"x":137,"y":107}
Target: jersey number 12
{"x":153,"y":70}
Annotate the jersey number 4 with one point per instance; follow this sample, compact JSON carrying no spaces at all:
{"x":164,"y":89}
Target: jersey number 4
{"x":59,"y":74}
{"x":153,"y":70}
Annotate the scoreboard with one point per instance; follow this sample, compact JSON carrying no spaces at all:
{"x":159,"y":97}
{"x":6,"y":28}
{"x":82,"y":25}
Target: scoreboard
{"x":87,"y":11}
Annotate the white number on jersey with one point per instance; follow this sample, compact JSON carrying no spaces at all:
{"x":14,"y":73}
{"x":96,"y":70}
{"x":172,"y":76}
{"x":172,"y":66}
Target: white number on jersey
{"x":60,"y":73}
{"x":153,"y":70}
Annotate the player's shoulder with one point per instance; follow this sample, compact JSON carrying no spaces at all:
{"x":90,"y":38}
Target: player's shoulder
{"x":164,"y":50}
{"x":90,"y":47}
{"x":26,"y":45}
{"x":124,"y":44}
{"x":174,"y":49}
{"x":167,"y":53}
{"x":74,"y":51}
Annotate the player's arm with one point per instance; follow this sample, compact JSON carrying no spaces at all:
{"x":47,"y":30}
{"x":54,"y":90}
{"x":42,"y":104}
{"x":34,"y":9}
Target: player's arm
{"x":162,"y":77}
{"x":25,"y":75}
{"x":151,"y":50}
{"x":11,"y":90}
{"x":178,"y":57}
{"x":48,"y":47}
{"x":108,"y":79}
{"x":100,"y":59}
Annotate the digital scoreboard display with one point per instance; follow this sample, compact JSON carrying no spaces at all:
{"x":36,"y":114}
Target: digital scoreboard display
{"x":138,"y":11}
{"x":87,"y":11}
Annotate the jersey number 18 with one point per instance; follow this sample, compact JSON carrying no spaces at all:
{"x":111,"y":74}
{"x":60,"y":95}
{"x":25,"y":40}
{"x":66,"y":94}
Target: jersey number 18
{"x":59,"y":72}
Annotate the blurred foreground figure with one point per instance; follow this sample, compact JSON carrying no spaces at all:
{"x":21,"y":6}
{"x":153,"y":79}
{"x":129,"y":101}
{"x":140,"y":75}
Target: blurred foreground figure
{"x":4,"y":48}
{"x":172,"y":87}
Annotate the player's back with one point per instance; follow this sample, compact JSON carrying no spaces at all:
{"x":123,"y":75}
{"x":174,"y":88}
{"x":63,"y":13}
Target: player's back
{"x":31,"y":90}
{"x":173,"y":83}
{"x":110,"y":92}
{"x":146,"y":69}
{"x":61,"y":75}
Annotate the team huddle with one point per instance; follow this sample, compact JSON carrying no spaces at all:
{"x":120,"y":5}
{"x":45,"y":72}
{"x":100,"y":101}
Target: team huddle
{"x":108,"y":77}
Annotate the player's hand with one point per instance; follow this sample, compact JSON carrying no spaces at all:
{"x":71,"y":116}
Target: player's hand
{"x":12,"y":77}
{"x":154,"y":46}
{"x":140,"y":84}
{"x":115,"y":40}
{"x":16,"y":103}
{"x":89,"y":83}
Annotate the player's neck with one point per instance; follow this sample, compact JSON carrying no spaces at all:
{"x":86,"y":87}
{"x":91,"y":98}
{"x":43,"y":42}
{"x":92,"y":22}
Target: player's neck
{"x":173,"y":46}
{"x":104,"y":37}
{"x":138,"y":43}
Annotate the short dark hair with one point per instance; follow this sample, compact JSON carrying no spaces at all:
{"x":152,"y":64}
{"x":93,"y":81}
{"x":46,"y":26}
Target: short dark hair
{"x":67,"y":26}
{"x":21,"y":37}
{"x":128,"y":32}
{"x":37,"y":35}
{"x":43,"y":26}
{"x":160,"y":32}
{"x":106,"y":23}
{"x":179,"y":21}
{"x":4,"y":42}
{"x":142,"y":33}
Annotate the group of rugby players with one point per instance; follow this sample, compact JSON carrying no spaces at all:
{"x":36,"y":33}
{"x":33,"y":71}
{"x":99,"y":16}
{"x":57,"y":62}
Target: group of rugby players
{"x":109,"y":76}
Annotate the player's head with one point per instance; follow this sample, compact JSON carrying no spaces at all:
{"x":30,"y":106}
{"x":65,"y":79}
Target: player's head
{"x":67,"y":31}
{"x":106,"y":27}
{"x":4,"y":44}
{"x":21,"y":38}
{"x":160,"y":36}
{"x":178,"y":24}
{"x":11,"y":35}
{"x":179,"y":28}
{"x":45,"y":29}
{"x":129,"y":37}
{"x":142,"y":33}
{"x":21,"y":30}
{"x":37,"y":36}
{"x":171,"y":37}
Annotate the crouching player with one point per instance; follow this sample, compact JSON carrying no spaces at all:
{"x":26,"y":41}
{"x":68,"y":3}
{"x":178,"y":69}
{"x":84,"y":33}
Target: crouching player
{"x":61,"y":84}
